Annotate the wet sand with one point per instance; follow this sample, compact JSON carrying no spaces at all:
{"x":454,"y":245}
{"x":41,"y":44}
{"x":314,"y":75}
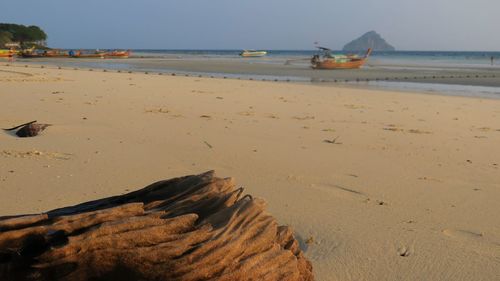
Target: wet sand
{"x":378,"y":185}
{"x":298,"y":71}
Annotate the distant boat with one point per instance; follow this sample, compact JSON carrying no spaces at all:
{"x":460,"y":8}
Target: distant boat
{"x":6,"y":53}
{"x":119,"y":54}
{"x":327,"y":60}
{"x":253,"y":53}
{"x":80,"y":55}
{"x":56,"y":54}
{"x":30,"y":53}
{"x":33,"y":53}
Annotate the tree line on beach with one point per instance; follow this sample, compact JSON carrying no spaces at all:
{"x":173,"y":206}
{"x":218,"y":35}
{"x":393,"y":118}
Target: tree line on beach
{"x":26,"y":36}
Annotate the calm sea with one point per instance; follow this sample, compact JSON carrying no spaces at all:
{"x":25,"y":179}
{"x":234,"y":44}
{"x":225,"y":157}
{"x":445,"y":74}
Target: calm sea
{"x":295,"y":65}
{"x":417,"y":58}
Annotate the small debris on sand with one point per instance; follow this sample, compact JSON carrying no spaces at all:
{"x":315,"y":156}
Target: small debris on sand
{"x":30,"y":129}
{"x":209,"y":145}
{"x":334,"y":141}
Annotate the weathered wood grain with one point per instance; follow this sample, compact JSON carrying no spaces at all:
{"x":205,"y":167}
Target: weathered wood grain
{"x":191,"y":228}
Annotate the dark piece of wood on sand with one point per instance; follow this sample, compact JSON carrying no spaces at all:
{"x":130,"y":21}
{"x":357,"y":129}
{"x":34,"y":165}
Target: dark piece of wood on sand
{"x":30,"y":129}
{"x":190,"y":228}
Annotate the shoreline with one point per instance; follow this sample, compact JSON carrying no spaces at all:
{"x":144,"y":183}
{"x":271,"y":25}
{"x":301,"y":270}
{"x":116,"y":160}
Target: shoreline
{"x":459,"y":82}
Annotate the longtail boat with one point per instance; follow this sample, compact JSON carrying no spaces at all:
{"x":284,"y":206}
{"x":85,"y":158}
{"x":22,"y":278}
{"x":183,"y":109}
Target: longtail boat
{"x":252,"y":53}
{"x":326,"y":60}
{"x":56,"y":54}
{"x":6,"y":53}
{"x":118,"y":54}
{"x":80,"y":55}
{"x":30,"y":53}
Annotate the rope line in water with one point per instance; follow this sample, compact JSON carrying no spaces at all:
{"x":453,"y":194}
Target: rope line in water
{"x":250,"y":78}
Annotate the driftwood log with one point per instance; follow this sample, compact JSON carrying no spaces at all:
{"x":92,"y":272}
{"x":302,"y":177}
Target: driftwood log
{"x":189,"y":228}
{"x":28,"y":130}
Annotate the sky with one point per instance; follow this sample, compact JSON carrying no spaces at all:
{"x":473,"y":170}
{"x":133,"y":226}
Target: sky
{"x":427,"y":25}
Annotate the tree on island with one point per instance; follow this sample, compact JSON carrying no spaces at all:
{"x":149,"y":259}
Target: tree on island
{"x":27,"y":36}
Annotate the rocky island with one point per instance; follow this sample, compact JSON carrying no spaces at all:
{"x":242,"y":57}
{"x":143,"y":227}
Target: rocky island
{"x":369,"y":40}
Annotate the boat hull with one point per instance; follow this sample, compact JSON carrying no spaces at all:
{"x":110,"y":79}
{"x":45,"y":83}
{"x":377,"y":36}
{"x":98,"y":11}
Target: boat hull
{"x":253,"y":54}
{"x":6,"y":53}
{"x":56,"y":54}
{"x":119,"y":55}
{"x":345,"y":62}
{"x":29,"y":56}
{"x":89,"y":56}
{"x":332,"y":64}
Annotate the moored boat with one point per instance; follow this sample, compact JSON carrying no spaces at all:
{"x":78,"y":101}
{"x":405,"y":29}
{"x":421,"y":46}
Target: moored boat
{"x":118,"y":54}
{"x":82,"y":55}
{"x":56,"y":54}
{"x":253,"y":53}
{"x":327,"y":60}
{"x":30,"y":53}
{"x":6,"y":53}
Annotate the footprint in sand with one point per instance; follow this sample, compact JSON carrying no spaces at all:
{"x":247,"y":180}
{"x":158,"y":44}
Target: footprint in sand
{"x":405,"y":251}
{"x":157,"y":110}
{"x":303,"y":118}
{"x":483,"y":129}
{"x":91,"y":102}
{"x":354,"y":106}
{"x":393,"y":129}
{"x":417,"y":131}
{"x":283,"y":99}
{"x":201,"y":92}
{"x":246,"y":113}
{"x":272,"y":116}
{"x":463,"y":234}
{"x":429,"y":179}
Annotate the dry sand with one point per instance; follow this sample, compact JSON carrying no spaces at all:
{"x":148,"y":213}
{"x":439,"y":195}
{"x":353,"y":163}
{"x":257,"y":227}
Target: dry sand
{"x":378,"y":185}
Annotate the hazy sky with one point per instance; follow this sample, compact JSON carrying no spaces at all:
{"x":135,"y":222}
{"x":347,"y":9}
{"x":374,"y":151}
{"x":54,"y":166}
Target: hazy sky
{"x":260,"y":24}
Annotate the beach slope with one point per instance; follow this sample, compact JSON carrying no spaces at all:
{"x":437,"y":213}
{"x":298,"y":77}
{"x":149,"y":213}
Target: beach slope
{"x":378,"y":185}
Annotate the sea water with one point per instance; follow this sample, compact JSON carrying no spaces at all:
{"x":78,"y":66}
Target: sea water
{"x":294,"y":65}
{"x":396,"y":58}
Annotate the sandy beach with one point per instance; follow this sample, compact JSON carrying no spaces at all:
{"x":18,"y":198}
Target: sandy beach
{"x":378,"y":185}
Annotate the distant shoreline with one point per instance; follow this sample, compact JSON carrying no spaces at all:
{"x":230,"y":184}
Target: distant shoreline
{"x":428,"y":76}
